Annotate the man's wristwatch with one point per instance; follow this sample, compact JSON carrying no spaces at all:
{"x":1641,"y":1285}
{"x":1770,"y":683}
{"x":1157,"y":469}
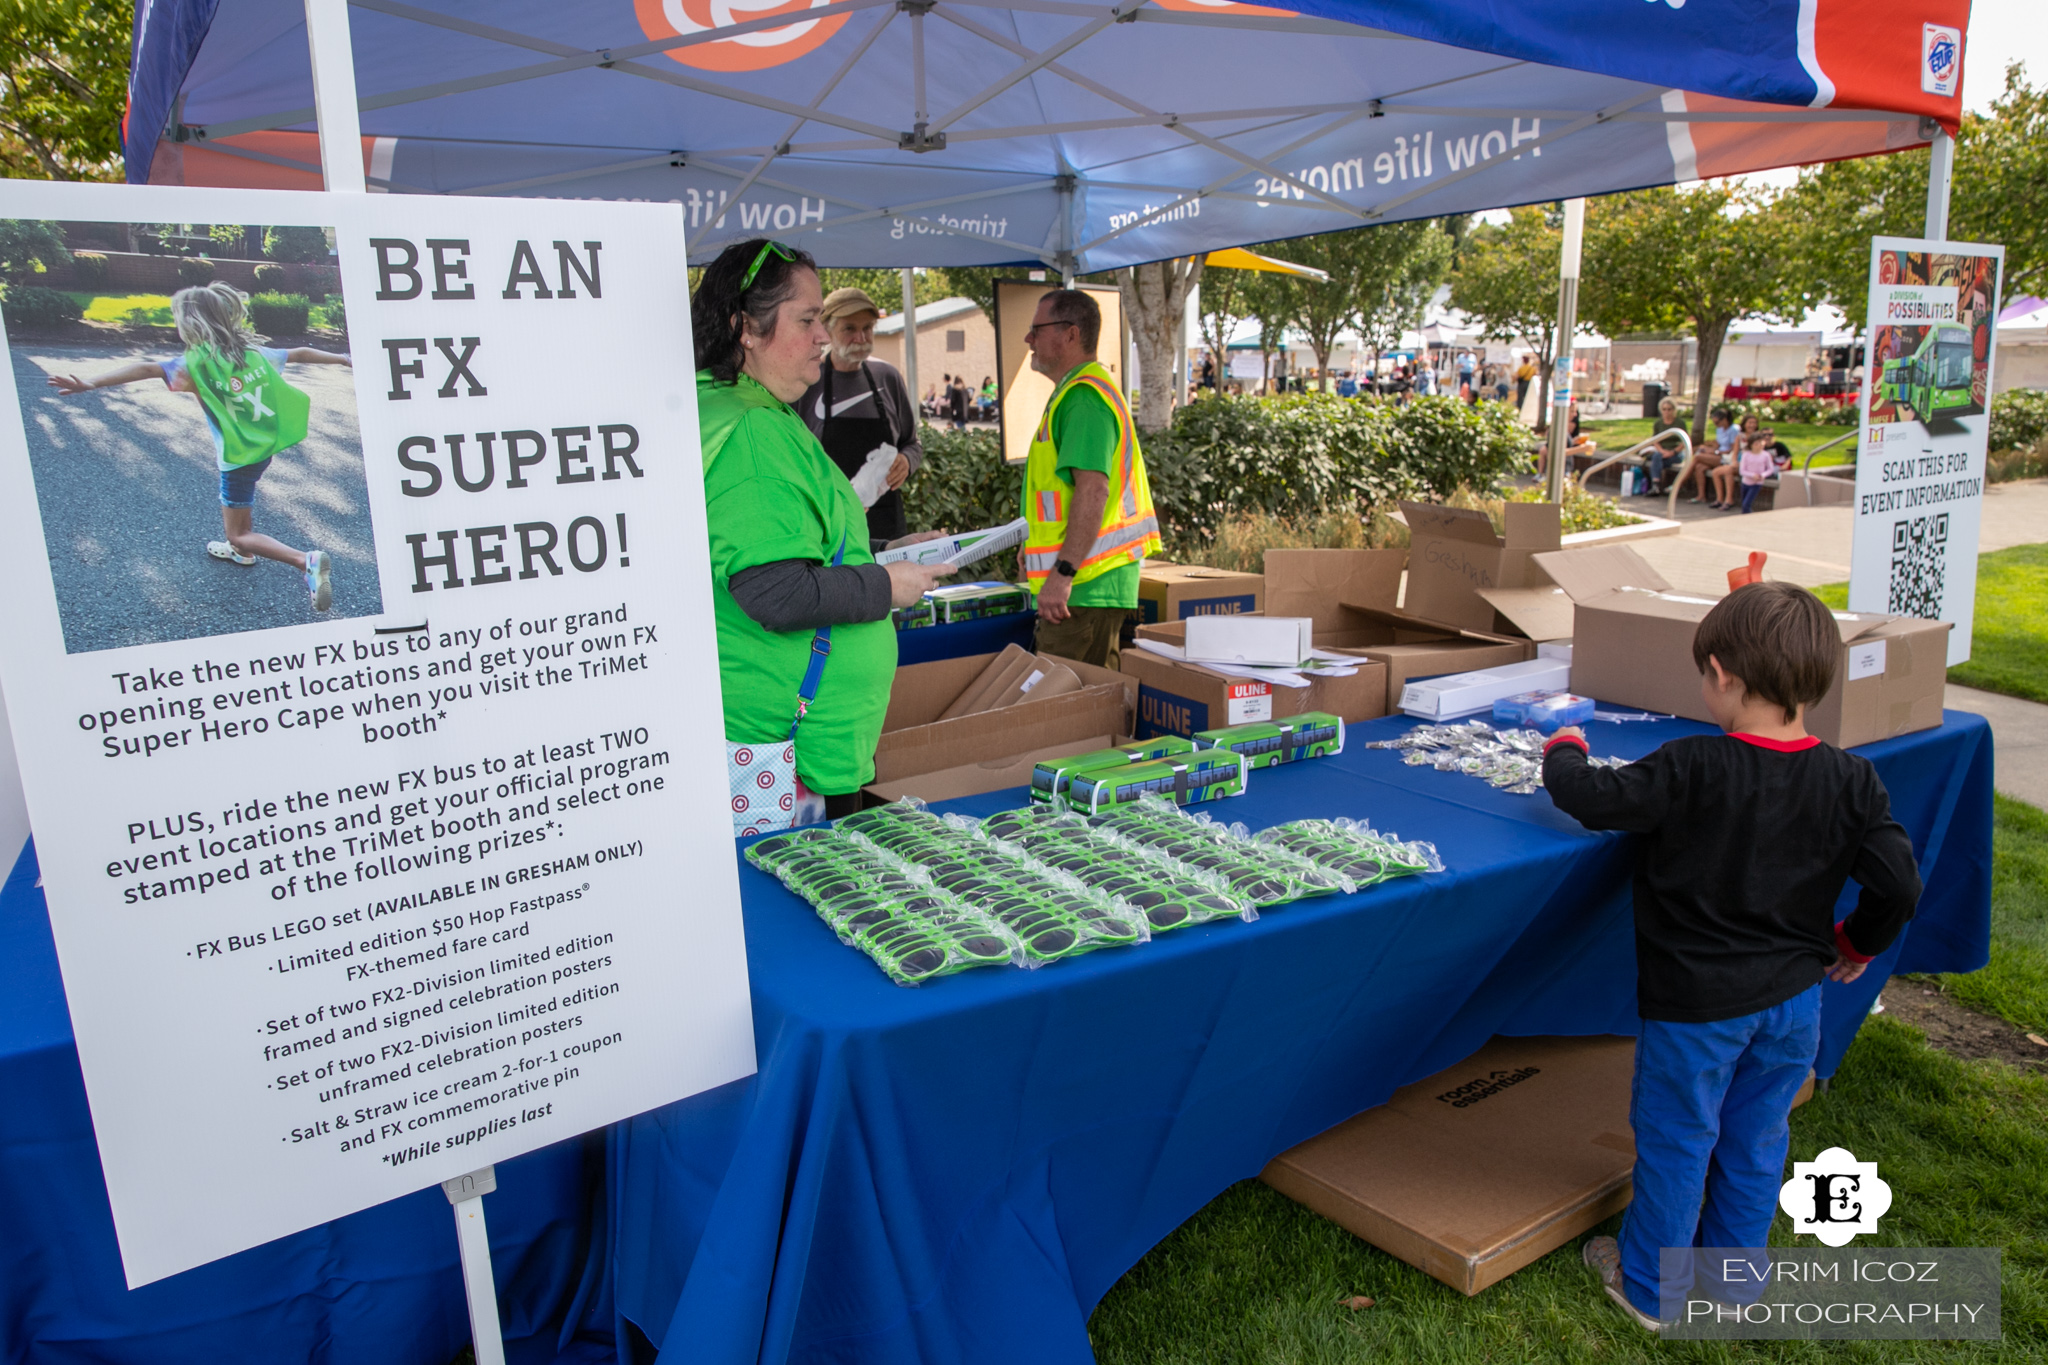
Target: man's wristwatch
{"x":1064,"y":568}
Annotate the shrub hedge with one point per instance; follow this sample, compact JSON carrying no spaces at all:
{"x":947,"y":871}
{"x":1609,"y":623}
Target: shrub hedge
{"x":89,"y":268}
{"x":2019,"y":419}
{"x":276,"y":315}
{"x":34,"y":306}
{"x":1291,"y":457}
{"x":195,"y":270}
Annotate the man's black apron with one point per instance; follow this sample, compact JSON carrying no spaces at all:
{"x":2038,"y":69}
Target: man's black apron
{"x":849,"y":439}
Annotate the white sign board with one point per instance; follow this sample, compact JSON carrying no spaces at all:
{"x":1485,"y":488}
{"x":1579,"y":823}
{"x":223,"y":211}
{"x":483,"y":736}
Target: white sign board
{"x":1926,"y":397}
{"x":352,"y":900}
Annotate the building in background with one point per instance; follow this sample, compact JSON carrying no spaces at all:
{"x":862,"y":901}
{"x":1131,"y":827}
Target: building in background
{"x":953,"y":337}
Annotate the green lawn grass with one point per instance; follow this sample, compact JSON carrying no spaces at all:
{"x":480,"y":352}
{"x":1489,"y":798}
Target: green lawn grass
{"x":1255,"y":1279}
{"x":117,"y":307}
{"x":2009,"y":636}
{"x":1800,"y":436}
{"x":2015,"y":985}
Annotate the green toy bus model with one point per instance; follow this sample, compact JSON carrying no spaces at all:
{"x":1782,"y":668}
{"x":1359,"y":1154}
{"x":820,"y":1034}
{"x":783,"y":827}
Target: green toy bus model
{"x":974,"y":601}
{"x":1936,"y":377}
{"x":1203,"y":775}
{"x":1049,"y":776}
{"x":1312,"y":734}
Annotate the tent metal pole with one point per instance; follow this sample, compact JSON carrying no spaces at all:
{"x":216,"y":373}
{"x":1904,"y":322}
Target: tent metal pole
{"x":334,"y":96}
{"x":1941,"y":164}
{"x":1567,"y":323}
{"x":910,"y":340}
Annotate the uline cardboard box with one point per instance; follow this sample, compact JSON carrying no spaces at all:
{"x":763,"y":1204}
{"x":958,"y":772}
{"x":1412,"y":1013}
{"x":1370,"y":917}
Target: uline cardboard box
{"x":1454,"y":555}
{"x":1632,"y":645}
{"x":1176,"y":698}
{"x":1484,"y":1167}
{"x":921,"y":755}
{"x":1174,"y":592}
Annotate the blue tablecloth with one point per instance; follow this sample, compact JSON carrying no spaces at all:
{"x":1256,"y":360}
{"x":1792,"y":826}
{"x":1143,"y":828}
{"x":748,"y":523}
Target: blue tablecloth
{"x":960,"y":1171}
{"x":986,"y":636}
{"x":957,"y":1172}
{"x":381,"y":1287}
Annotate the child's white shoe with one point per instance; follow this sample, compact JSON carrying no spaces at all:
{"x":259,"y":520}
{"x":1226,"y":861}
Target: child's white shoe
{"x":1604,"y":1257}
{"x":221,"y":549}
{"x":319,"y":579}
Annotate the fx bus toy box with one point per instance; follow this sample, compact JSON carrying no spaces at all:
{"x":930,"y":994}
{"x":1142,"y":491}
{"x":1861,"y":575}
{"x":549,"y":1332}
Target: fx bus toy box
{"x":1050,"y":776}
{"x":1311,"y":734}
{"x":1204,"y":775}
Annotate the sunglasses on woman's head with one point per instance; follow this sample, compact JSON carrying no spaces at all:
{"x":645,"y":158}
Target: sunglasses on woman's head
{"x":761,"y":259}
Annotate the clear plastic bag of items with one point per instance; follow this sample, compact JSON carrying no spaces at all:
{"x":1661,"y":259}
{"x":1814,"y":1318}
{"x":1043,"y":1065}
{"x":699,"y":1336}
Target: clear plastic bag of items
{"x":912,"y":929}
{"x":1051,"y":915}
{"x":1511,"y":760}
{"x":1263,"y":874}
{"x":1353,"y":849}
{"x":1168,"y":893}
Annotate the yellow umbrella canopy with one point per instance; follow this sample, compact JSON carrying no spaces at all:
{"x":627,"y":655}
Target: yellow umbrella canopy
{"x":1237,"y":258}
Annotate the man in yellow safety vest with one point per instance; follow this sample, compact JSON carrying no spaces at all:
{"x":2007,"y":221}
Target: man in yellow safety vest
{"x":1086,"y":502}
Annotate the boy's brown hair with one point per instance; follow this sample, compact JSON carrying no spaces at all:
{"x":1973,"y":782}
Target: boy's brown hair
{"x":1778,"y":638}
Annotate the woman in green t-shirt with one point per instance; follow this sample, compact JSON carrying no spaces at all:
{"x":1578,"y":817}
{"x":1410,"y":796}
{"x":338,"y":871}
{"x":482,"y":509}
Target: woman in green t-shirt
{"x":806,"y":651}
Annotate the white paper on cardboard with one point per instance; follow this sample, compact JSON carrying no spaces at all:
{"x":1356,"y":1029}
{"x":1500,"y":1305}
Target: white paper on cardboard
{"x":1866,"y":659}
{"x":1248,"y":702}
{"x":1268,"y":641}
{"x":352,"y":902}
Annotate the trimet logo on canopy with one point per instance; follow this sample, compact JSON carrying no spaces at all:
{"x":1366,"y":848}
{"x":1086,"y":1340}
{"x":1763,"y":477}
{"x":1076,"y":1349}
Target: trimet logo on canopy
{"x":1835,"y":1197}
{"x":1941,"y":59}
{"x":750,"y":51}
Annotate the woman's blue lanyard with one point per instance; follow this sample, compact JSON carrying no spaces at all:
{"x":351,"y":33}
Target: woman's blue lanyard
{"x":821,"y":650}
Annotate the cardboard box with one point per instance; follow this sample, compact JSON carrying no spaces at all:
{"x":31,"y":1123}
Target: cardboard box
{"x":1465,"y":694}
{"x":1176,"y":698}
{"x":996,"y":747}
{"x":1174,"y":592}
{"x":1278,"y":641}
{"x":1454,"y":555}
{"x":1316,"y":583}
{"x":1486,"y":1166}
{"x":1012,"y":676}
{"x":1632,"y":646}
{"x":1411,"y":647}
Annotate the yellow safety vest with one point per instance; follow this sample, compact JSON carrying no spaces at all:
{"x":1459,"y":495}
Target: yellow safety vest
{"x":1130,"y":529}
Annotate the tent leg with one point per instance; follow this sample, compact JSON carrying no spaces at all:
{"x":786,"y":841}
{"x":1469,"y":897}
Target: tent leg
{"x":910,"y":336}
{"x":334,"y":96}
{"x":1941,"y":164}
{"x":1567,"y":323}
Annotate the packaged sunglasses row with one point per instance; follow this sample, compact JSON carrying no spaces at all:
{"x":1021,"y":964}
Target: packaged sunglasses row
{"x":1262,"y":873}
{"x":1168,"y":893}
{"x":912,"y":929}
{"x":1353,"y":850}
{"x":1052,"y":915}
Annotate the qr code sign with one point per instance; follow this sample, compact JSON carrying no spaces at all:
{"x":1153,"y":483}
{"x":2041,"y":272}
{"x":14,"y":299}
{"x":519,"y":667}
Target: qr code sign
{"x":1919,"y":567}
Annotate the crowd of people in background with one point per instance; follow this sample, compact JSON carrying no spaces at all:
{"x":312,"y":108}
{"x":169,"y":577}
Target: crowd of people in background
{"x":1465,"y":375}
{"x":952,"y":401}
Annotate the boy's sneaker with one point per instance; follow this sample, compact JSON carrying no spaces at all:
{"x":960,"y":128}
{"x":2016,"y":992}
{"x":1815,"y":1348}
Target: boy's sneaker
{"x":1603,"y":1254}
{"x":319,"y":579}
{"x":221,"y":549}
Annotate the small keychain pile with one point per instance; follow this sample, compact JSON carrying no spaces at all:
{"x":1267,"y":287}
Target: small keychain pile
{"x":1511,"y":760}
{"x":1353,"y":849}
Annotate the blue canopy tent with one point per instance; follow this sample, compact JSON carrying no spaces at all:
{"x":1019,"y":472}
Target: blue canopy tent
{"x":1071,"y":134}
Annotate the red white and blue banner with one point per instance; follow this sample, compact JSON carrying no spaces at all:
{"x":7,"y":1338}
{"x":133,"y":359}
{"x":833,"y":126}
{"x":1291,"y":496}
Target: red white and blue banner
{"x":1044,"y":132}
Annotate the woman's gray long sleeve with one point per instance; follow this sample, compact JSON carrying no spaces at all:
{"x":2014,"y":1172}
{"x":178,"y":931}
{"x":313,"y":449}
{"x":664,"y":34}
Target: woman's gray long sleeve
{"x":801,"y":594}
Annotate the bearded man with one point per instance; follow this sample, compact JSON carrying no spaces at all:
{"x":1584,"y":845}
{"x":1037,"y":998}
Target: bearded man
{"x":860,"y":405}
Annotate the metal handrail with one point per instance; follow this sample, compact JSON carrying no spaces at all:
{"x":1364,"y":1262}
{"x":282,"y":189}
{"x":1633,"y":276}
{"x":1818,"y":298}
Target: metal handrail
{"x":1806,"y":470}
{"x":1659,"y":439}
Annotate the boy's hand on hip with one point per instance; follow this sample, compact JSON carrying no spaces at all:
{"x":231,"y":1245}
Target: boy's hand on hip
{"x":1845,"y":971}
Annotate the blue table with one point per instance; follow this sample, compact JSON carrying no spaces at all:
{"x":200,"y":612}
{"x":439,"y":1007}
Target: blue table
{"x":960,"y":1171}
{"x":957,"y":1172}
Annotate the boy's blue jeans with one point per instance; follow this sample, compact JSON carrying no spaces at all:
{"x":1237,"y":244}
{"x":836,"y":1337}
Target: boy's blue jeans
{"x":1711,"y":1109}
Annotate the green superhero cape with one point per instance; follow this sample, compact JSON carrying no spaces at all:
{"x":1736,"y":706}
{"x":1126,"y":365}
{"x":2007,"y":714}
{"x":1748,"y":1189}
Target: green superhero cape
{"x":257,"y":412}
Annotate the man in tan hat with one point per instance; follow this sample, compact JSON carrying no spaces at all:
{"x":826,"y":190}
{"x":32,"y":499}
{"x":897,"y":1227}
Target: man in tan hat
{"x":859,"y":406}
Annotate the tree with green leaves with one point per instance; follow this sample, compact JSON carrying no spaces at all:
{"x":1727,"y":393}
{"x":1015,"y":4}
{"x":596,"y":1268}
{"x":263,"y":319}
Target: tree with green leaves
{"x":1155,"y":300}
{"x":28,"y":247}
{"x":1389,"y":274}
{"x":63,"y":87}
{"x":1999,"y":194}
{"x":1670,"y":260}
{"x":1223,"y":306}
{"x":1506,"y":281}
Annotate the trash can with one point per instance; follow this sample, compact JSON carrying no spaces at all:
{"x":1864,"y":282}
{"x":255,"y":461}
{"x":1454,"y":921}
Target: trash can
{"x":1653,"y":394}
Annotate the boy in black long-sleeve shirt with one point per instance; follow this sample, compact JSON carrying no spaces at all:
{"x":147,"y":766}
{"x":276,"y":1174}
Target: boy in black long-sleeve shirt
{"x":1748,"y":838}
